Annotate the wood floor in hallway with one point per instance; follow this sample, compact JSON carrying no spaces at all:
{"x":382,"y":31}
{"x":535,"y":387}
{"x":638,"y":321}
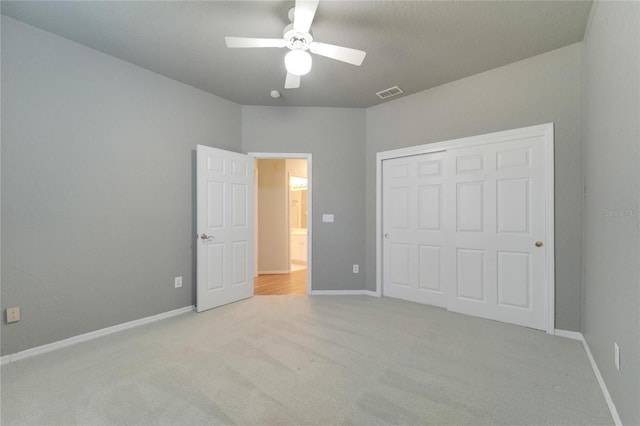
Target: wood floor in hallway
{"x":281,"y":284}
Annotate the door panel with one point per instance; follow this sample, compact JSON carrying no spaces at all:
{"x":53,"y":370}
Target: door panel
{"x":514,"y":279}
{"x":225,"y":227}
{"x":240,"y":199}
{"x":215,"y":266}
{"x":469,"y":213}
{"x":500,"y":274}
{"x":430,"y":206}
{"x":469,"y":163}
{"x":430,"y":262}
{"x":513,"y":198}
{"x":471,"y":275}
{"x":400,"y":264}
{"x":239,"y":260}
{"x":413,"y":227}
{"x":215,"y":204}
{"x":400,"y":207}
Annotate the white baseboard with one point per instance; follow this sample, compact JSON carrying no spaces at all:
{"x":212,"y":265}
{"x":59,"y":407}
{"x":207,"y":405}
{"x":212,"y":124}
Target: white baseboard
{"x":573,"y":335}
{"x":278,"y":272}
{"x":605,"y":392}
{"x":343,"y":293}
{"x":91,"y":335}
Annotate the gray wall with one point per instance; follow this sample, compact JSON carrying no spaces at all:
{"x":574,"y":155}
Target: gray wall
{"x":335,"y":138}
{"x":97,"y":186}
{"x":545,"y":88}
{"x":611,"y":311}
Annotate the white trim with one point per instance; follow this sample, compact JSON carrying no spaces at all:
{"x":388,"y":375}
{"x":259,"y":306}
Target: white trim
{"x":278,"y":272}
{"x":49,"y":347}
{"x":546,"y":130}
{"x":344,"y":293}
{"x":506,"y":135}
{"x":603,"y":387}
{"x":378,"y":225}
{"x":308,"y":157}
{"x":573,"y":335}
{"x":550,"y":238}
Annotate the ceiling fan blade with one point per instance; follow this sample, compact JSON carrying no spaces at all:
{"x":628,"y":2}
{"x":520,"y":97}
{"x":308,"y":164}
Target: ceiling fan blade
{"x":344,"y":54}
{"x":292,"y":81}
{"x":304,"y":12}
{"x":255,"y":42}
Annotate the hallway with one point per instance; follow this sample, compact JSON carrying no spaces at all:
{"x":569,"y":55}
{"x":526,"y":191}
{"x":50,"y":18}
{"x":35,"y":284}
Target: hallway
{"x":281,"y":284}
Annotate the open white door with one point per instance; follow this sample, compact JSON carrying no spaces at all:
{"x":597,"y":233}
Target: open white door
{"x":225,"y":227}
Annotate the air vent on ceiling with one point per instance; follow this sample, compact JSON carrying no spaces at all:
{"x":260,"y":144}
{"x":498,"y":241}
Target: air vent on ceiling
{"x":387,"y":93}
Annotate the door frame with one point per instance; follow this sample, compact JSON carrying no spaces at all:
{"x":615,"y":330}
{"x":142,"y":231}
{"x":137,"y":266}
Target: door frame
{"x":293,"y":156}
{"x":544,"y":130}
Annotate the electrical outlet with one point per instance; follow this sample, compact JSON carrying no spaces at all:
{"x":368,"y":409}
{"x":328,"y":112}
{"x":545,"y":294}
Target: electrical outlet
{"x":13,"y":314}
{"x":616,"y":355}
{"x":178,"y":282}
{"x":356,"y":269}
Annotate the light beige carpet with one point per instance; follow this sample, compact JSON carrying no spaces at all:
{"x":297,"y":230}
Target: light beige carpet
{"x":319,"y":360}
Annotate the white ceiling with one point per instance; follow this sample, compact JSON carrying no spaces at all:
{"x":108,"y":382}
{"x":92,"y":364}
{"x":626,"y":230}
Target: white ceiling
{"x":413,"y":44}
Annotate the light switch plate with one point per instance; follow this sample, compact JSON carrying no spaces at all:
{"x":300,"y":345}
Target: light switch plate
{"x":178,"y":282}
{"x":327,"y":217}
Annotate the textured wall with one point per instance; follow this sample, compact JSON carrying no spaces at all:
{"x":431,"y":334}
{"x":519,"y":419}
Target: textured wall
{"x":611,"y":311}
{"x":538,"y":90}
{"x":335,"y":138}
{"x":97,"y":186}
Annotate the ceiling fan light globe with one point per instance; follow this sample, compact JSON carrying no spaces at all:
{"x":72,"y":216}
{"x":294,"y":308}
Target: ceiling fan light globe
{"x":298,"y":62}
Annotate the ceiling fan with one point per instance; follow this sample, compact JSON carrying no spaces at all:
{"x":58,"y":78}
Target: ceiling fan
{"x":297,"y":37}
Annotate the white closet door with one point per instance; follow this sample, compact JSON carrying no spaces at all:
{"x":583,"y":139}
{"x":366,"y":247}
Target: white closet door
{"x":496,"y":253}
{"x":413,"y":225}
{"x":465,"y":228}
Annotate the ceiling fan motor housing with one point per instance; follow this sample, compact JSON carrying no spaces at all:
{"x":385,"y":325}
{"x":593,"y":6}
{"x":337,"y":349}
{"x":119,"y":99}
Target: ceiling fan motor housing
{"x":296,"y":39}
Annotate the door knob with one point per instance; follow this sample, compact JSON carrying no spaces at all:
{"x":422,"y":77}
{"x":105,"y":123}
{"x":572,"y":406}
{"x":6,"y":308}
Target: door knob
{"x":386,"y":236}
{"x":538,"y":243}
{"x":205,"y":237}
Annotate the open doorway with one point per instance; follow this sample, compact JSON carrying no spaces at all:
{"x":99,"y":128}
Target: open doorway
{"x":282,"y":224}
